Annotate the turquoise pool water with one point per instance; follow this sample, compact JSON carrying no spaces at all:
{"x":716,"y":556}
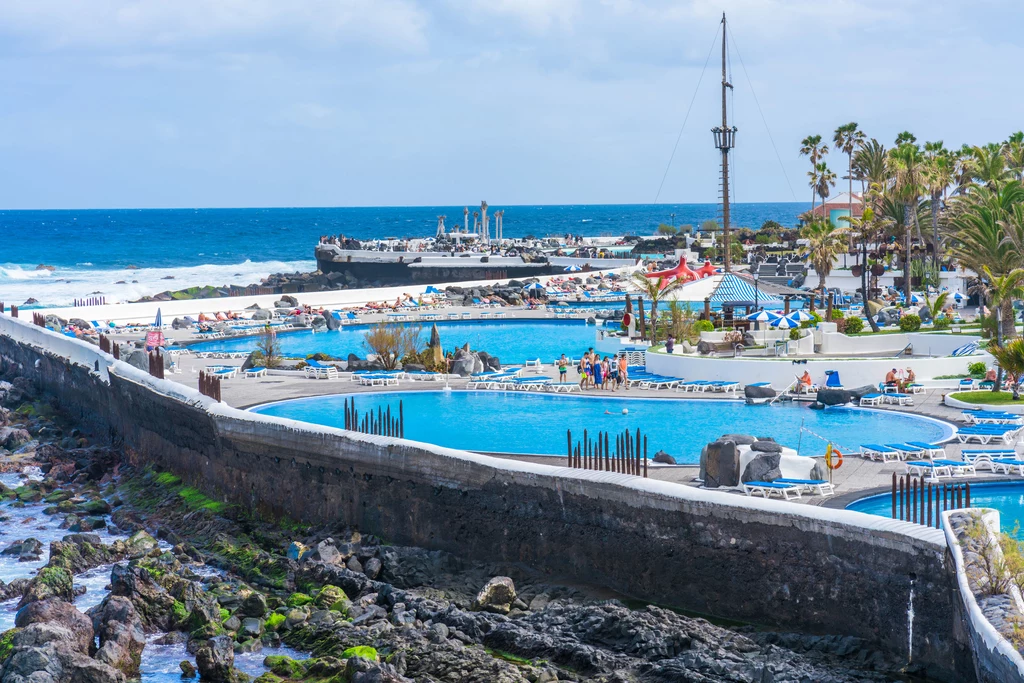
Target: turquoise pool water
{"x":1006,"y":497}
{"x":512,"y":341}
{"x":509,"y":422}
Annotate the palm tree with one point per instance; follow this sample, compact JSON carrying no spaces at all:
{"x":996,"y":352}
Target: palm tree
{"x":824,"y":180}
{"x":962,"y":169}
{"x":938,"y":175}
{"x":825,"y":242}
{"x":655,"y":290}
{"x":1002,"y":291}
{"x":906,"y":164}
{"x":987,"y":165}
{"x":1010,"y":358}
{"x":848,"y":138}
{"x":811,"y":147}
{"x":905,"y":138}
{"x":1013,"y":150}
{"x":869,"y":162}
{"x":867,"y":226}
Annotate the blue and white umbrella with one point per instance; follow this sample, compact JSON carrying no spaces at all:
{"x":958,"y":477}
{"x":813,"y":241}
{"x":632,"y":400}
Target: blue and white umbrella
{"x":159,"y":322}
{"x":533,"y":285}
{"x":958,"y":297}
{"x":762,"y":317}
{"x":573,"y":269}
{"x":785,"y":324}
{"x":915,"y":299}
{"x":799,"y":316}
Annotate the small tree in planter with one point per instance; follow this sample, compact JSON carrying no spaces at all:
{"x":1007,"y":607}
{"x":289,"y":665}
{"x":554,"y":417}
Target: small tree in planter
{"x":391,"y":342}
{"x":268,"y":349}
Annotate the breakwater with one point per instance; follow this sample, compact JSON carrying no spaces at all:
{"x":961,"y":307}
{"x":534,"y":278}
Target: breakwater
{"x":786,"y":566}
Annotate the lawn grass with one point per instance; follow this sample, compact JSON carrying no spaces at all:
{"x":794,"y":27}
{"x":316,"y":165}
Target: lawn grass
{"x":986,"y":397}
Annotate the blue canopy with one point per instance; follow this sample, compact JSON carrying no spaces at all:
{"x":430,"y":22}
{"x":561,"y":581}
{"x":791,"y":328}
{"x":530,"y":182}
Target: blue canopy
{"x":735,"y":288}
{"x":431,"y":289}
{"x":573,"y":269}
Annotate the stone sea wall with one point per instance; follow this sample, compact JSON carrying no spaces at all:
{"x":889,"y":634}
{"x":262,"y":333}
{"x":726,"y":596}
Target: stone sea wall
{"x":785,"y":566}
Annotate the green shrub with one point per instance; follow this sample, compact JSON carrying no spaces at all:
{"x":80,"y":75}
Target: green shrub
{"x":838,"y":315}
{"x":977,"y":369}
{"x":910,"y":323}
{"x":704,"y":326}
{"x":854,"y":325}
{"x":942,"y":323}
{"x":794,"y":334}
{"x":815,"y":319}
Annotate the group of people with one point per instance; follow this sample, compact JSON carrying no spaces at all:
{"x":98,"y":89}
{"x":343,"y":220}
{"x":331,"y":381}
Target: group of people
{"x":899,"y":379}
{"x":595,"y":372}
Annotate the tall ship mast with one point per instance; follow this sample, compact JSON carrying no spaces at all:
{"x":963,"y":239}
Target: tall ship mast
{"x":725,"y":139}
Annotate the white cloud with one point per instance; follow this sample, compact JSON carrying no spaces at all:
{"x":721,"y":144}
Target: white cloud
{"x":536,"y":15}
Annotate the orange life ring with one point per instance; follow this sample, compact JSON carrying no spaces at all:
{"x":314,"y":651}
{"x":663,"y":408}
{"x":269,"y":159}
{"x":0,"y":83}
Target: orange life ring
{"x":833,"y":458}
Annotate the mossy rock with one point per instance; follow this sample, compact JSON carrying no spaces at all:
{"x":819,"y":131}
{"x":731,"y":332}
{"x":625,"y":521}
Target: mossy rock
{"x":363,"y":651}
{"x":285,"y":667}
{"x":328,"y":596}
{"x":57,"y":496}
{"x":7,"y":643}
{"x":299,"y":599}
{"x":94,"y":507}
{"x":268,"y":677}
{"x":51,"y":582}
{"x":274,"y":621}
{"x":180,"y":613}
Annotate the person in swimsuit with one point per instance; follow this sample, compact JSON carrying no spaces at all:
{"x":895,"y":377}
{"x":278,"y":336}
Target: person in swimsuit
{"x":563,"y":368}
{"x":598,"y":376}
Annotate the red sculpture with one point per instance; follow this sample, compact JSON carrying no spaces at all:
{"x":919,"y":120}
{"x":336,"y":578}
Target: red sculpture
{"x":683,"y":271}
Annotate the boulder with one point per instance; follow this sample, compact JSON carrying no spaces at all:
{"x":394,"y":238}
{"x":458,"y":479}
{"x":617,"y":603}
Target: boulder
{"x":326,"y":551}
{"x":122,"y":639}
{"x":180,"y":324}
{"x":154,"y":605}
{"x":215,"y":660}
{"x":758,"y":392}
{"x":331,"y":322}
{"x":297,"y":551}
{"x":764,"y":467}
{"x":50,"y":653}
{"x":738,"y":439}
{"x":835,"y":397}
{"x":496,"y":596}
{"x":762,"y":446}
{"x":254,"y":605}
{"x":59,"y":613}
{"x":720,"y":464}
{"x":820,"y":470}
{"x":12,"y":438}
{"x":262,"y":315}
{"x":664,"y":458}
{"x":372,"y":567}
{"x":140,"y":544}
{"x":251,"y":628}
{"x":137,"y":358}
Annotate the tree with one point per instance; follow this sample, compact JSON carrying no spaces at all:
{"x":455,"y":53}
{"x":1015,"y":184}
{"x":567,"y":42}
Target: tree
{"x":812,"y":148}
{"x":825,"y":180}
{"x":391,"y":342}
{"x":710,"y":225}
{"x":847,"y":138}
{"x":937,"y":176}
{"x":268,"y":349}
{"x":905,"y":138}
{"x":655,"y":290}
{"x":1010,"y":358}
{"x":987,"y":166}
{"x":906,"y":165}
{"x":1001,"y":291}
{"x":1013,"y":150}
{"x":825,"y":243}
{"x":866,"y":227}
{"x":666,"y":229}
{"x":870,"y":162}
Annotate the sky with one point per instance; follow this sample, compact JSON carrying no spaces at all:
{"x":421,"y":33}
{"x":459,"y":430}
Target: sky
{"x":233,"y":103}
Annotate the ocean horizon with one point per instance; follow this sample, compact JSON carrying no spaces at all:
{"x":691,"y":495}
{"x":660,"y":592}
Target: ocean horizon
{"x":124,"y":254}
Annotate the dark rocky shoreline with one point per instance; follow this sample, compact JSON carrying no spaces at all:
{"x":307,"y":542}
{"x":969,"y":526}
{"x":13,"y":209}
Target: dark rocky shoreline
{"x":220,"y":580}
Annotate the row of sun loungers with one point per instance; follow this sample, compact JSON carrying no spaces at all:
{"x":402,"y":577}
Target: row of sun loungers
{"x":876,"y":399}
{"x":992,"y":417}
{"x":989,"y":433}
{"x":788,"y":489}
{"x":900,"y":451}
{"x":701,"y":386}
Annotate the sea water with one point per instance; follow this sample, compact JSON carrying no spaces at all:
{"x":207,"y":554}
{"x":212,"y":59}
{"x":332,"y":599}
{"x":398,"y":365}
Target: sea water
{"x":151,"y":250}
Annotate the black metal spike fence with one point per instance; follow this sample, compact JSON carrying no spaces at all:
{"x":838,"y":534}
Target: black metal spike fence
{"x":116,"y":349}
{"x":91,"y":301}
{"x":14,"y":311}
{"x":381,"y":423}
{"x":39,"y":319}
{"x":104,"y":343}
{"x":922,"y":502}
{"x":209,"y":385}
{"x":156,"y":364}
{"x":625,"y":453}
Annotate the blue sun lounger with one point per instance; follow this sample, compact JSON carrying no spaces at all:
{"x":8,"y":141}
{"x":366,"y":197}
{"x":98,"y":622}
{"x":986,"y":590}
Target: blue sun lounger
{"x":1008,"y":465}
{"x":930,"y":449}
{"x":767,"y":488}
{"x":927,"y":467}
{"x":873,"y":451}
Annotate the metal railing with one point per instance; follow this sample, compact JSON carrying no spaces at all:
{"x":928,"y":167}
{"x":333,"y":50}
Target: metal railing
{"x":922,"y":502}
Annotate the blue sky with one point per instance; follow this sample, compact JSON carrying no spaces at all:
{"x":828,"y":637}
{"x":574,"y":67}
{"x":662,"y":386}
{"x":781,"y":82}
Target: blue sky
{"x":154,"y":103}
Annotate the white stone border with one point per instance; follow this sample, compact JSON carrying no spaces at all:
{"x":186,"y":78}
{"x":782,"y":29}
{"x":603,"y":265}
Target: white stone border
{"x":956,"y":403}
{"x":986,"y":632}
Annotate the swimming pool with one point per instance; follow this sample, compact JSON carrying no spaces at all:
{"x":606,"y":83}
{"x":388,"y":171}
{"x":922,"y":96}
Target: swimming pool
{"x":512,"y":341}
{"x":510,"y":422}
{"x":1007,"y":497}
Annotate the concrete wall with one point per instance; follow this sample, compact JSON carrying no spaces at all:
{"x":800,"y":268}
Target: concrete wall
{"x":785,"y":566}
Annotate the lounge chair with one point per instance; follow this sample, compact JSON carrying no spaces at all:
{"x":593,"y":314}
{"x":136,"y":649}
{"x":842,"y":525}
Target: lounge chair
{"x":906,"y":450}
{"x":818,"y":486}
{"x":767,"y":488}
{"x":984,"y":457}
{"x":225,"y":373}
{"x":985,"y":434}
{"x":318,"y":370}
{"x":932,"y":450}
{"x":959,"y":467}
{"x":874,"y":399}
{"x":424,"y":376}
{"x":535,"y":364}
{"x":833,"y":381}
{"x":528,"y":384}
{"x":915,"y":388}
{"x":898,"y":399}
{"x":873,"y":451}
{"x":930,"y":468}
{"x":563,"y":387}
{"x":966,"y":385}
{"x":1008,"y":465}
{"x":724,"y":386}
{"x":259,"y":371}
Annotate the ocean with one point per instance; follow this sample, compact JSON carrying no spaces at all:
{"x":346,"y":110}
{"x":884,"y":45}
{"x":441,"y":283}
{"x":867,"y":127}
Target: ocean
{"x":123,"y":254}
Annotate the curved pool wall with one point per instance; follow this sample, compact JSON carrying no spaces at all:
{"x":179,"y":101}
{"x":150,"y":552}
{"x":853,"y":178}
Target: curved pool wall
{"x":785,"y":566}
{"x":1006,"y":497}
{"x":781,"y":372}
{"x":536,"y":424}
{"x":511,"y":341}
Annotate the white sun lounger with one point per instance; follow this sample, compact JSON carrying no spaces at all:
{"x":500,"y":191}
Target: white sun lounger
{"x":873,"y":451}
{"x":871,"y":399}
{"x":818,"y":486}
{"x":929,"y":468}
{"x":563,"y":387}
{"x":767,"y":488}
{"x":255,"y":372}
{"x":984,"y":457}
{"x":1008,"y":465}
